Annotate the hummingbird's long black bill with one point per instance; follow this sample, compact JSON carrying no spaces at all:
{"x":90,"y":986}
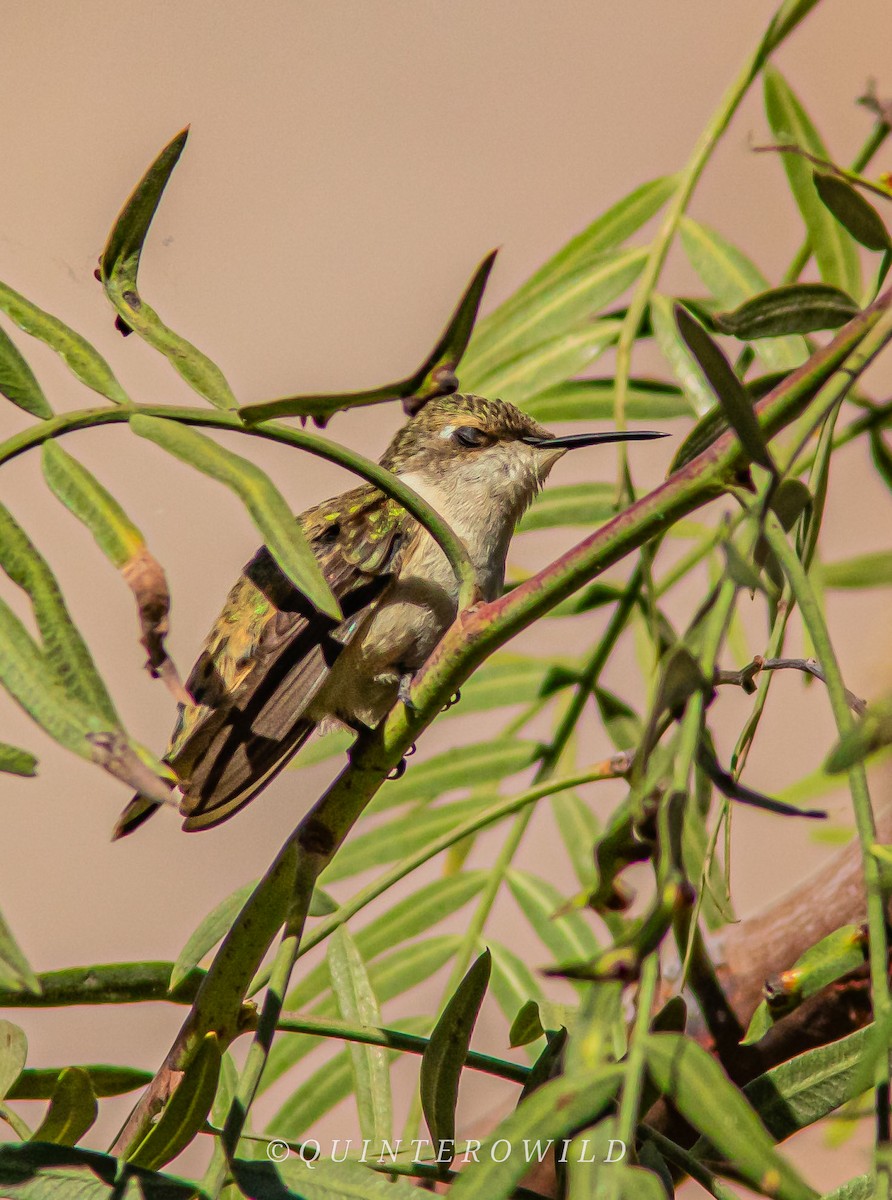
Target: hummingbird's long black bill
{"x":572,"y":441}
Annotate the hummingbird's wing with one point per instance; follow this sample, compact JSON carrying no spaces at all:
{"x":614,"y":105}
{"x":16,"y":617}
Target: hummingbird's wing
{"x":268,"y":655}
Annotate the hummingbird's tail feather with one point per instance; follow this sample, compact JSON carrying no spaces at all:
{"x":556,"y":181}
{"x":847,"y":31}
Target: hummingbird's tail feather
{"x":230,"y":780}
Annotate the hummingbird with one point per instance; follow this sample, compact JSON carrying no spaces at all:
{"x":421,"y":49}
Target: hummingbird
{"x":274,"y":669}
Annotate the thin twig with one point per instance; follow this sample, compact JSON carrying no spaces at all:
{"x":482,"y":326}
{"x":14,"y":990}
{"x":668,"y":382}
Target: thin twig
{"x":745,"y":677}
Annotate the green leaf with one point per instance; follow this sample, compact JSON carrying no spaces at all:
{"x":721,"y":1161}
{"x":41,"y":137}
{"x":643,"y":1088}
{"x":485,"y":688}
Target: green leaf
{"x":594,"y":400}
{"x":15,"y":973}
{"x":853,"y":211}
{"x":684,"y":366}
{"x":390,"y":976}
{"x":444,"y":1057}
{"x":18,"y":382}
{"x":793,"y":308}
{"x":527,"y":1025}
{"x":72,"y":484}
{"x":39,"y":1083}
{"x":573,"y":504}
{"x":513,"y":984}
{"x":550,"y":362}
{"x":621,"y":723}
{"x":579,"y":828}
{"x":13,"y":1052}
{"x":733,"y":280}
{"x":872,"y":733}
{"x":555,"y":308}
{"x":553,"y":1111}
{"x":267,"y":506}
{"x":214,"y":927}
{"x":605,"y":233}
{"x":14,"y":761}
{"x":42,"y":1171}
{"x":833,"y":248}
{"x":416,"y":914}
{"x":435,"y":376}
{"x":86,"y":362}
{"x":398,"y":838}
{"x":829,"y":959}
{"x":860,"y":571}
{"x":863,"y":1187}
{"x":505,"y":679}
{"x":733,"y":399}
{"x":323,"y":1180}
{"x":72,"y":1111}
{"x":119,"y":267}
{"x":706,"y":1098}
{"x":118,"y":539}
{"x":358,"y":1004}
{"x":477,"y":764}
{"x":58,"y":684}
{"x":809,"y":1087}
{"x":567,"y":935}
{"x":329,"y":1085}
{"x":882,"y":456}
{"x":320,"y":749}
{"x":186,"y":1111}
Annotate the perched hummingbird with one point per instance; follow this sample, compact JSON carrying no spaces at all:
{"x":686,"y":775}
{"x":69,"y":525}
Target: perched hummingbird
{"x":274,"y":669}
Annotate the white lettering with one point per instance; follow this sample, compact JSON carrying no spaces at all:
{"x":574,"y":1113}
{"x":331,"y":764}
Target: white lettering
{"x":580,"y":1158}
{"x":365,"y":1149}
{"x":622,"y":1153}
{"x":445,"y":1150}
{"x":471,"y":1148}
{"x":540,"y":1150}
{"x":334,"y":1147}
{"x":418,"y":1143}
{"x":317,"y":1153}
{"x":389,"y":1151}
{"x":501,"y":1142}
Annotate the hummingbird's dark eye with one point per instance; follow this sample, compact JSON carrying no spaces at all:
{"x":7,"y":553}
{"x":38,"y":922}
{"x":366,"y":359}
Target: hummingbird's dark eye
{"x":470,"y":435}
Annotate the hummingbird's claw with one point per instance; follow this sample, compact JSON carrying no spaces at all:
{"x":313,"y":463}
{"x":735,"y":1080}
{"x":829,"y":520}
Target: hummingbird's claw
{"x":404,"y":693}
{"x":452,"y":701}
{"x":398,"y":771}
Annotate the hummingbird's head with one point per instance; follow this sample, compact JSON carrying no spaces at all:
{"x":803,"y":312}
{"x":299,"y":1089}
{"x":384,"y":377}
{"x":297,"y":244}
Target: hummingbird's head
{"x":478,"y":449}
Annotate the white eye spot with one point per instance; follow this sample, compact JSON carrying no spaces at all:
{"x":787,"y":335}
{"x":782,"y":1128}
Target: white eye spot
{"x":447,"y":431}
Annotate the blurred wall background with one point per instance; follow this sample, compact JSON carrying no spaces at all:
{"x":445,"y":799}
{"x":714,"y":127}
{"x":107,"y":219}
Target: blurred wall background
{"x":349,"y":164}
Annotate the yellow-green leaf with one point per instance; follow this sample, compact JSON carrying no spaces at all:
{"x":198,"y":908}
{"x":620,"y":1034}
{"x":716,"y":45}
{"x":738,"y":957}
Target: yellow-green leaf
{"x":72,"y":1111}
{"x":185,"y":1112}
{"x":18,"y":382}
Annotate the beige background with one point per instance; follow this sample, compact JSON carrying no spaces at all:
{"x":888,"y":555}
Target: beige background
{"x":348,"y":166}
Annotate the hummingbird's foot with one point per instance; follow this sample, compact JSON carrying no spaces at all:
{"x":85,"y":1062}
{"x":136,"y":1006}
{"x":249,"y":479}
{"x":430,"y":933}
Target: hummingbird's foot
{"x":398,"y":771}
{"x":453,"y":700}
{"x":404,"y":692}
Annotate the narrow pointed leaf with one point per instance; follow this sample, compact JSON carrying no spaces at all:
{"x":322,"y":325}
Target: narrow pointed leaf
{"x":67,"y":655}
{"x":735,"y":790}
{"x":292,"y":1179}
{"x":554,"y":310}
{"x":734,"y":280}
{"x":18,"y":382}
{"x":706,"y":1098}
{"x":119,"y":268}
{"x":479,"y":763}
{"x":326,"y":1087}
{"x":14,"y":761}
{"x":829,"y":959}
{"x":546,"y":364}
{"x":215,"y":925}
{"x":442,"y":1061}
{"x":185,"y":1112}
{"x":554,"y":1111}
{"x":358,"y":1004}
{"x":265,"y":503}
{"x":72,"y":1111}
{"x":398,"y":838}
{"x":882,"y":456}
{"x":794,"y":308}
{"x":860,"y":571}
{"x":593,"y":400}
{"x":730,"y":392}
{"x":853,"y":211}
{"x":579,"y":829}
{"x":835,"y":251}
{"x":513,"y":984}
{"x":682,"y":363}
{"x":567,"y":935}
{"x":13,"y":1052}
{"x":119,"y":540}
{"x":504,"y":679}
{"x":86,"y":362}
{"x":39,"y":1083}
{"x":42,"y":1171}
{"x":391,"y":975}
{"x":15,"y":971}
{"x":574,"y":504}
{"x":873,"y":732}
{"x":435,"y":376}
